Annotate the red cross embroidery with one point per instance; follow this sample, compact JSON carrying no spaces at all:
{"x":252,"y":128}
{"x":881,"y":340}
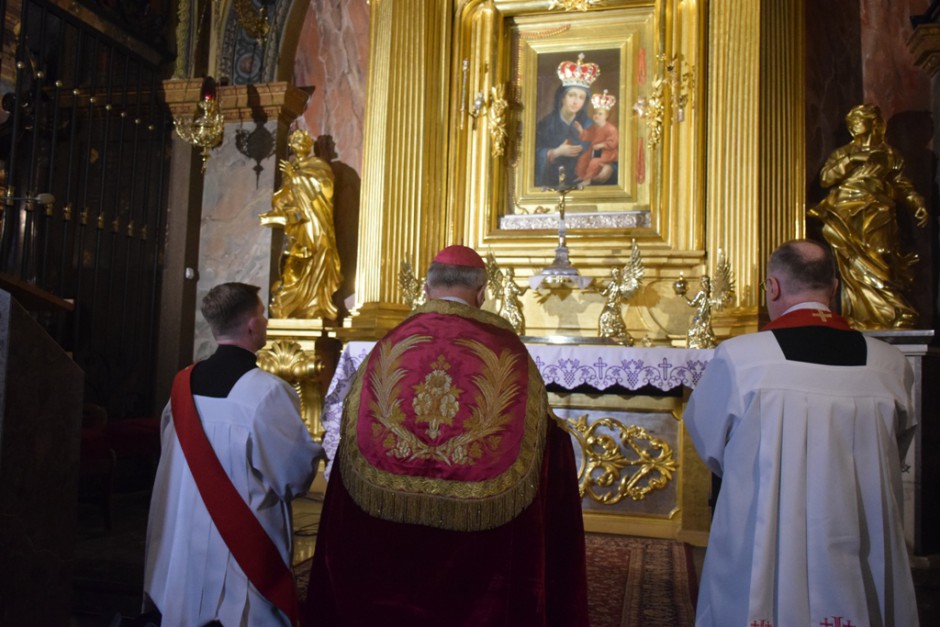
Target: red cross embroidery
{"x":761,"y":623}
{"x":822,"y":315}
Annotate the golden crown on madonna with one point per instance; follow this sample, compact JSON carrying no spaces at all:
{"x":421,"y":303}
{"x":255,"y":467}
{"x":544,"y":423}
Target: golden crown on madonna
{"x":603,"y":101}
{"x":578,"y":73}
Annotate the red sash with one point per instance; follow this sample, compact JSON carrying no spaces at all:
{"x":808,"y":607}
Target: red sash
{"x":244,"y":536}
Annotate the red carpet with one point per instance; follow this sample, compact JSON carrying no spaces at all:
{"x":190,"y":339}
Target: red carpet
{"x":635,"y":582}
{"x":642,"y":582}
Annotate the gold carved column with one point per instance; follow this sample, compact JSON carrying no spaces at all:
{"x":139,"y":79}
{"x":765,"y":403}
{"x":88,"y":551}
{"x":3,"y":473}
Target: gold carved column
{"x":756,"y":142}
{"x":782,"y":173}
{"x":404,"y":191}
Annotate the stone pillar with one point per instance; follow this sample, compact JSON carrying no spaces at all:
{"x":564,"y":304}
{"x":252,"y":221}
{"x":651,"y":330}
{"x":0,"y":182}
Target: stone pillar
{"x":213,"y":232}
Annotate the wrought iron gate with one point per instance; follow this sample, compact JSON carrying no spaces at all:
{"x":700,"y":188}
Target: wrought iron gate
{"x":85,"y":155}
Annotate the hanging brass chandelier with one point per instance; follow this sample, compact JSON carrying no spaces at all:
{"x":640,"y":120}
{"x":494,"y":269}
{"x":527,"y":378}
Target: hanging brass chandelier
{"x":204,"y":130}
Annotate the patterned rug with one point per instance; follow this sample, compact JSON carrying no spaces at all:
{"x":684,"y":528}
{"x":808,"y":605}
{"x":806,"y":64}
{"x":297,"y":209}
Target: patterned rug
{"x":640,"y":582}
{"x":635,"y":582}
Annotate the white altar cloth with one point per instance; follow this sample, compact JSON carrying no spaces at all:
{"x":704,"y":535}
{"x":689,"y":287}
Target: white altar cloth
{"x":568,"y":366}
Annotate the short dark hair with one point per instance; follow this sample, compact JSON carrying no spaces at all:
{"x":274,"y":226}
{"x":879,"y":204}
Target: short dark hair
{"x":228,"y":305}
{"x":804,"y":270}
{"x":446,"y":275}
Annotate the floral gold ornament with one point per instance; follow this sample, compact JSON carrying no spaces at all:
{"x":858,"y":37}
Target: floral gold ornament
{"x":712,"y":295}
{"x":288,"y":360}
{"x":573,"y":5}
{"x":619,"y":461}
{"x":624,"y":283}
{"x":411,"y":286}
{"x":497,"y":119}
{"x":672,"y":86}
{"x":205,"y":129}
{"x":254,"y":21}
{"x":436,"y":398}
{"x":495,"y":385}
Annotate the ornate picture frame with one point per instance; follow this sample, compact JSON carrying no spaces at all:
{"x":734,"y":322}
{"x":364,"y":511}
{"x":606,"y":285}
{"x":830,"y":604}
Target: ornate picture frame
{"x":505,"y":69}
{"x":606,"y":61}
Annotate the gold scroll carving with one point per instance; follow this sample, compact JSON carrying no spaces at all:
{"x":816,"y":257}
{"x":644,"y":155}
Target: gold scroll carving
{"x":301,"y":369}
{"x":630,"y":464}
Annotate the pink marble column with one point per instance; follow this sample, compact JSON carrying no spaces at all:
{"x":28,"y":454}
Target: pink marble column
{"x":333,"y":57}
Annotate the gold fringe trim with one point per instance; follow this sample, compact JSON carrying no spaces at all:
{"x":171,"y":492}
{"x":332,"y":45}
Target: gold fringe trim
{"x":445,"y":504}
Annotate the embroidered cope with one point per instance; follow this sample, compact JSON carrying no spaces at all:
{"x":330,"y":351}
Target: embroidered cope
{"x":445,"y":422}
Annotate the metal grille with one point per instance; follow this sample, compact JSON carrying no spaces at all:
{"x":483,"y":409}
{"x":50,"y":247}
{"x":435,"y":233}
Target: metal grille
{"x":86,"y":154}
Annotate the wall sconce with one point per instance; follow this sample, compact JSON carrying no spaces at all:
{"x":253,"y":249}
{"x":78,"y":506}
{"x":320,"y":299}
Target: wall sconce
{"x":205,"y":128}
{"x":653,"y":107}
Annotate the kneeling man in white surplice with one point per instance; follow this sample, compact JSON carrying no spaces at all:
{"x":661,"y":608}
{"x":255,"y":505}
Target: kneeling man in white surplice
{"x":806,"y":423}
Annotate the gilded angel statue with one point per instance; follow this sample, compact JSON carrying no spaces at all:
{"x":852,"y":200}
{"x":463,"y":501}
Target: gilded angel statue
{"x":303,"y":207}
{"x":624,"y":283}
{"x":711,"y":296}
{"x":502,"y":284}
{"x":859,"y":217}
{"x":412,"y":287}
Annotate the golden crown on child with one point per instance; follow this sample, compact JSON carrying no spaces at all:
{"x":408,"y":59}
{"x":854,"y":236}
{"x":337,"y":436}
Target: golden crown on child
{"x":603,"y":101}
{"x":577,"y":73}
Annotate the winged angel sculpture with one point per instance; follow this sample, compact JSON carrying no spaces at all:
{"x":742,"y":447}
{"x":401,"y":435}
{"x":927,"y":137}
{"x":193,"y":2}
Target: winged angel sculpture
{"x":502,"y":284}
{"x":712,"y":295}
{"x":624,"y":283}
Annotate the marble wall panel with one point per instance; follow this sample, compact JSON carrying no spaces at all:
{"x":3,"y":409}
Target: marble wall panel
{"x":233,"y":246}
{"x":902,"y":91}
{"x":333,"y":57}
{"x":833,"y":82}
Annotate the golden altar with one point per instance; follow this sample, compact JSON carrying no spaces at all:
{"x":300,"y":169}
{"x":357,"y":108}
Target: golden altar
{"x":638,"y":471}
{"x":457,"y":90}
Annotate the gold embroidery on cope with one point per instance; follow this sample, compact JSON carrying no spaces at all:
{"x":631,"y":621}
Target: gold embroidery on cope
{"x":447,"y":504}
{"x":435,"y":400}
{"x":435,"y":403}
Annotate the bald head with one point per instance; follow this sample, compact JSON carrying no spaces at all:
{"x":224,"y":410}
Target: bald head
{"x":800,"y":271}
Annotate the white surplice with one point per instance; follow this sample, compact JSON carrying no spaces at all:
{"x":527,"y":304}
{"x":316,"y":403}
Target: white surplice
{"x":265,"y":449}
{"x":807,"y":528}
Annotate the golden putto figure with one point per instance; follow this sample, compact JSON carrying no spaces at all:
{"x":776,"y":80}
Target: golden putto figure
{"x":624,"y":283}
{"x":712,"y":295}
{"x":859,"y":218}
{"x":505,"y":290}
{"x":303,"y":207}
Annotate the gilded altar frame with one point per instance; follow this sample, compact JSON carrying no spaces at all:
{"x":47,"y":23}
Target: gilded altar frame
{"x":495,"y":45}
{"x":493,"y":202}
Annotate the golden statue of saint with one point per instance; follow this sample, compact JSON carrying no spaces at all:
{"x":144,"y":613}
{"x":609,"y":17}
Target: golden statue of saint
{"x":859,"y":220}
{"x":303,"y":207}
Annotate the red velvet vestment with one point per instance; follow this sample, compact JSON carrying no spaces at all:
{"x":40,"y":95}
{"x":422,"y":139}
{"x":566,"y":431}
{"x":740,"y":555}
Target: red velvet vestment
{"x":411,"y":562}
